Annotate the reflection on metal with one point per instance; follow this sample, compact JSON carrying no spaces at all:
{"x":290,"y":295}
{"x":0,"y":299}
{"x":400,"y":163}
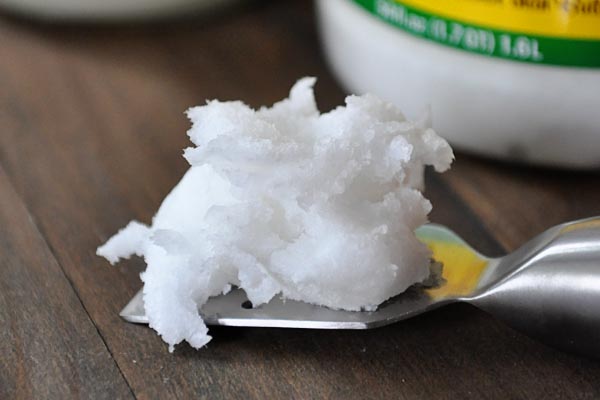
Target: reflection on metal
{"x":549,"y":288}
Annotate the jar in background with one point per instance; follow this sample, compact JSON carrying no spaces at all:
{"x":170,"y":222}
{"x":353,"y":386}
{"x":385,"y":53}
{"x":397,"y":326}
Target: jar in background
{"x":511,"y":79}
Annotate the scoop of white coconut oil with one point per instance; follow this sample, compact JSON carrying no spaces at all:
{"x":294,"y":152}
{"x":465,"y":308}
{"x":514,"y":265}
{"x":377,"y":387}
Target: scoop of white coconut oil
{"x":285,"y":201}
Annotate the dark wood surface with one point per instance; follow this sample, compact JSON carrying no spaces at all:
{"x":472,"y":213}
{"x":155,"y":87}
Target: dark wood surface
{"x":91,"y":135}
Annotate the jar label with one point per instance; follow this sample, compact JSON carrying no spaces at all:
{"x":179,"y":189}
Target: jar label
{"x":557,"y":32}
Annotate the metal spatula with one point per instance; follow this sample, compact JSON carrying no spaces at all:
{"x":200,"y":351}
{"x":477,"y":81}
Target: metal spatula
{"x":549,"y":289}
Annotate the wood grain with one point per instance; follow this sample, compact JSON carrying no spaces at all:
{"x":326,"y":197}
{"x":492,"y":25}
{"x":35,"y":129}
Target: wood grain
{"x":49,"y":347}
{"x":517,"y":203}
{"x":91,"y":136}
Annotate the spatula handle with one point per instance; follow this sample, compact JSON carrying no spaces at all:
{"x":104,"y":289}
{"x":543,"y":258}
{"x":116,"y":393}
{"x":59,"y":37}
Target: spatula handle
{"x":553,"y":293}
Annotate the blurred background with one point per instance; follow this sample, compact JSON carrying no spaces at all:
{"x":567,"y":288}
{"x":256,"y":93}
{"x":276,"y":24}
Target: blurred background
{"x":104,"y":82}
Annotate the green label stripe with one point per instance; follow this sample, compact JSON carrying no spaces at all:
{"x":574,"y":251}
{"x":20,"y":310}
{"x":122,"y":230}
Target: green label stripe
{"x":482,"y":40}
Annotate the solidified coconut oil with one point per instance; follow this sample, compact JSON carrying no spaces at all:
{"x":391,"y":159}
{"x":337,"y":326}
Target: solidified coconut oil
{"x":512,"y":79}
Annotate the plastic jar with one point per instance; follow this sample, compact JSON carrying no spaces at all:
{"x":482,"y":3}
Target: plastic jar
{"x":512,"y":79}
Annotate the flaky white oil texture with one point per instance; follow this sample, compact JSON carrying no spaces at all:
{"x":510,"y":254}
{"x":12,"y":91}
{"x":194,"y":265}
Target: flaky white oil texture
{"x":285,"y":201}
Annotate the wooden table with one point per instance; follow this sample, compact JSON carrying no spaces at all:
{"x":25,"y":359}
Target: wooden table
{"x":91,"y":133}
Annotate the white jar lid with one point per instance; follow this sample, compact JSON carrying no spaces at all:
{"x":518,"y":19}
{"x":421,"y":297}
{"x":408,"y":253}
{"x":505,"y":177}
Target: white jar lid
{"x":107,"y":9}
